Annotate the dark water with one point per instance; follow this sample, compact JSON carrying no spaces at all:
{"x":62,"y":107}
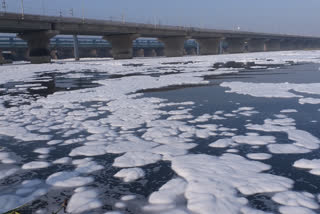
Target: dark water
{"x":207,"y":99}
{"x":210,"y":99}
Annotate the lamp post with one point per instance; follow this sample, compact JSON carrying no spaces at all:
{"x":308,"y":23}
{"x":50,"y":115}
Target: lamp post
{"x":82,"y":5}
{"x":22,"y":9}
{"x":43,"y":8}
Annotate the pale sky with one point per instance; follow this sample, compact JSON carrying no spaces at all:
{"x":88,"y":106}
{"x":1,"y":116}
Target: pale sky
{"x":273,"y":16}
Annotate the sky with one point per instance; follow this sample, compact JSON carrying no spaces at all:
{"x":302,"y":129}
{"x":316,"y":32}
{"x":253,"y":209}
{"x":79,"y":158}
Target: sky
{"x":300,"y":17}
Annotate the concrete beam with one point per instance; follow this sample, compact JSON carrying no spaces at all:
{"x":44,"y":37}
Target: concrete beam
{"x":38,"y":43}
{"x":173,"y":46}
{"x":256,"y":45}
{"x":273,"y":45}
{"x":209,"y":46}
{"x":122,"y":45}
{"x":235,"y":45}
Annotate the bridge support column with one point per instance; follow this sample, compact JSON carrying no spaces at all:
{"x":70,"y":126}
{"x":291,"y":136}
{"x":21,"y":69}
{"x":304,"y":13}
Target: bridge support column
{"x":38,"y":43}
{"x":317,"y":45}
{"x":312,"y":45}
{"x":139,"y":52}
{"x":300,"y":45}
{"x":122,"y":45}
{"x":235,"y":45}
{"x":209,"y":46}
{"x":1,"y":58}
{"x":173,"y":46}
{"x":76,"y":47}
{"x":256,"y":45}
{"x":150,"y":52}
{"x":273,"y":45}
{"x":287,"y":45}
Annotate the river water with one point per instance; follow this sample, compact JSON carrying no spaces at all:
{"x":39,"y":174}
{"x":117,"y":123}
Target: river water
{"x":193,"y":139}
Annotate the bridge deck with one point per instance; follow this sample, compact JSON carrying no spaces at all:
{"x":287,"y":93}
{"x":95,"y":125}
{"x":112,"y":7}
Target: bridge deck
{"x":15,"y":23}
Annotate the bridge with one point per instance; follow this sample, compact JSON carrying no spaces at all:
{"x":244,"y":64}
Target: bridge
{"x":37,"y":31}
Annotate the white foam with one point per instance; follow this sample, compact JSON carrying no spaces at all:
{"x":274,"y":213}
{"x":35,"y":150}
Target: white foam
{"x":89,"y":151}
{"x":42,"y":151}
{"x":313,"y":165}
{"x":8,"y":171}
{"x":271,"y":90}
{"x":288,"y":111}
{"x":128,"y":197}
{"x":129,"y":175}
{"x":295,"y":210}
{"x":54,"y":142}
{"x":309,"y":100}
{"x":87,"y":166}
{"x":169,"y":192}
{"x":114,"y":212}
{"x":36,"y":165}
{"x":84,"y":201}
{"x":259,"y":156}
{"x":64,"y":160}
{"x":120,"y":205}
{"x":168,"y":151}
{"x":287,"y":149}
{"x":303,"y":139}
{"x":296,"y":199}
{"x":138,"y":146}
{"x":212,"y":182}
{"x":254,"y":139}
{"x":304,"y":142}
{"x":6,"y":158}
{"x":133,"y":159}
{"x":68,"y":179}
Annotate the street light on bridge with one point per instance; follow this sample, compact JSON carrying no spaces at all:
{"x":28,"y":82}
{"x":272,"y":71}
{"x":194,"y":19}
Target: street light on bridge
{"x":22,"y":9}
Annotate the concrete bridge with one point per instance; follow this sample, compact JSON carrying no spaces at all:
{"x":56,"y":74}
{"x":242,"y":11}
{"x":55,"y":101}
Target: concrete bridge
{"x":37,"y":31}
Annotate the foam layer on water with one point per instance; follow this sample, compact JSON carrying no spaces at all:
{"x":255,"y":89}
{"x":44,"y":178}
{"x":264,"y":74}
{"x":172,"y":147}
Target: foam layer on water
{"x":114,"y":118}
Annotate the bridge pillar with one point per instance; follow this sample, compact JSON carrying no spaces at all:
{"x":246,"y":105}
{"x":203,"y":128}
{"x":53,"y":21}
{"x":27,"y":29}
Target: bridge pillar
{"x":1,"y":58}
{"x":273,"y":45}
{"x":288,"y":44}
{"x":150,"y":52}
{"x":300,"y":45}
{"x":38,"y":43}
{"x":173,"y":46}
{"x":256,"y":45}
{"x":139,"y":52}
{"x":76,"y":47}
{"x":235,"y":45}
{"x":312,"y":45}
{"x":317,"y":44}
{"x":122,"y":45}
{"x":209,"y":46}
